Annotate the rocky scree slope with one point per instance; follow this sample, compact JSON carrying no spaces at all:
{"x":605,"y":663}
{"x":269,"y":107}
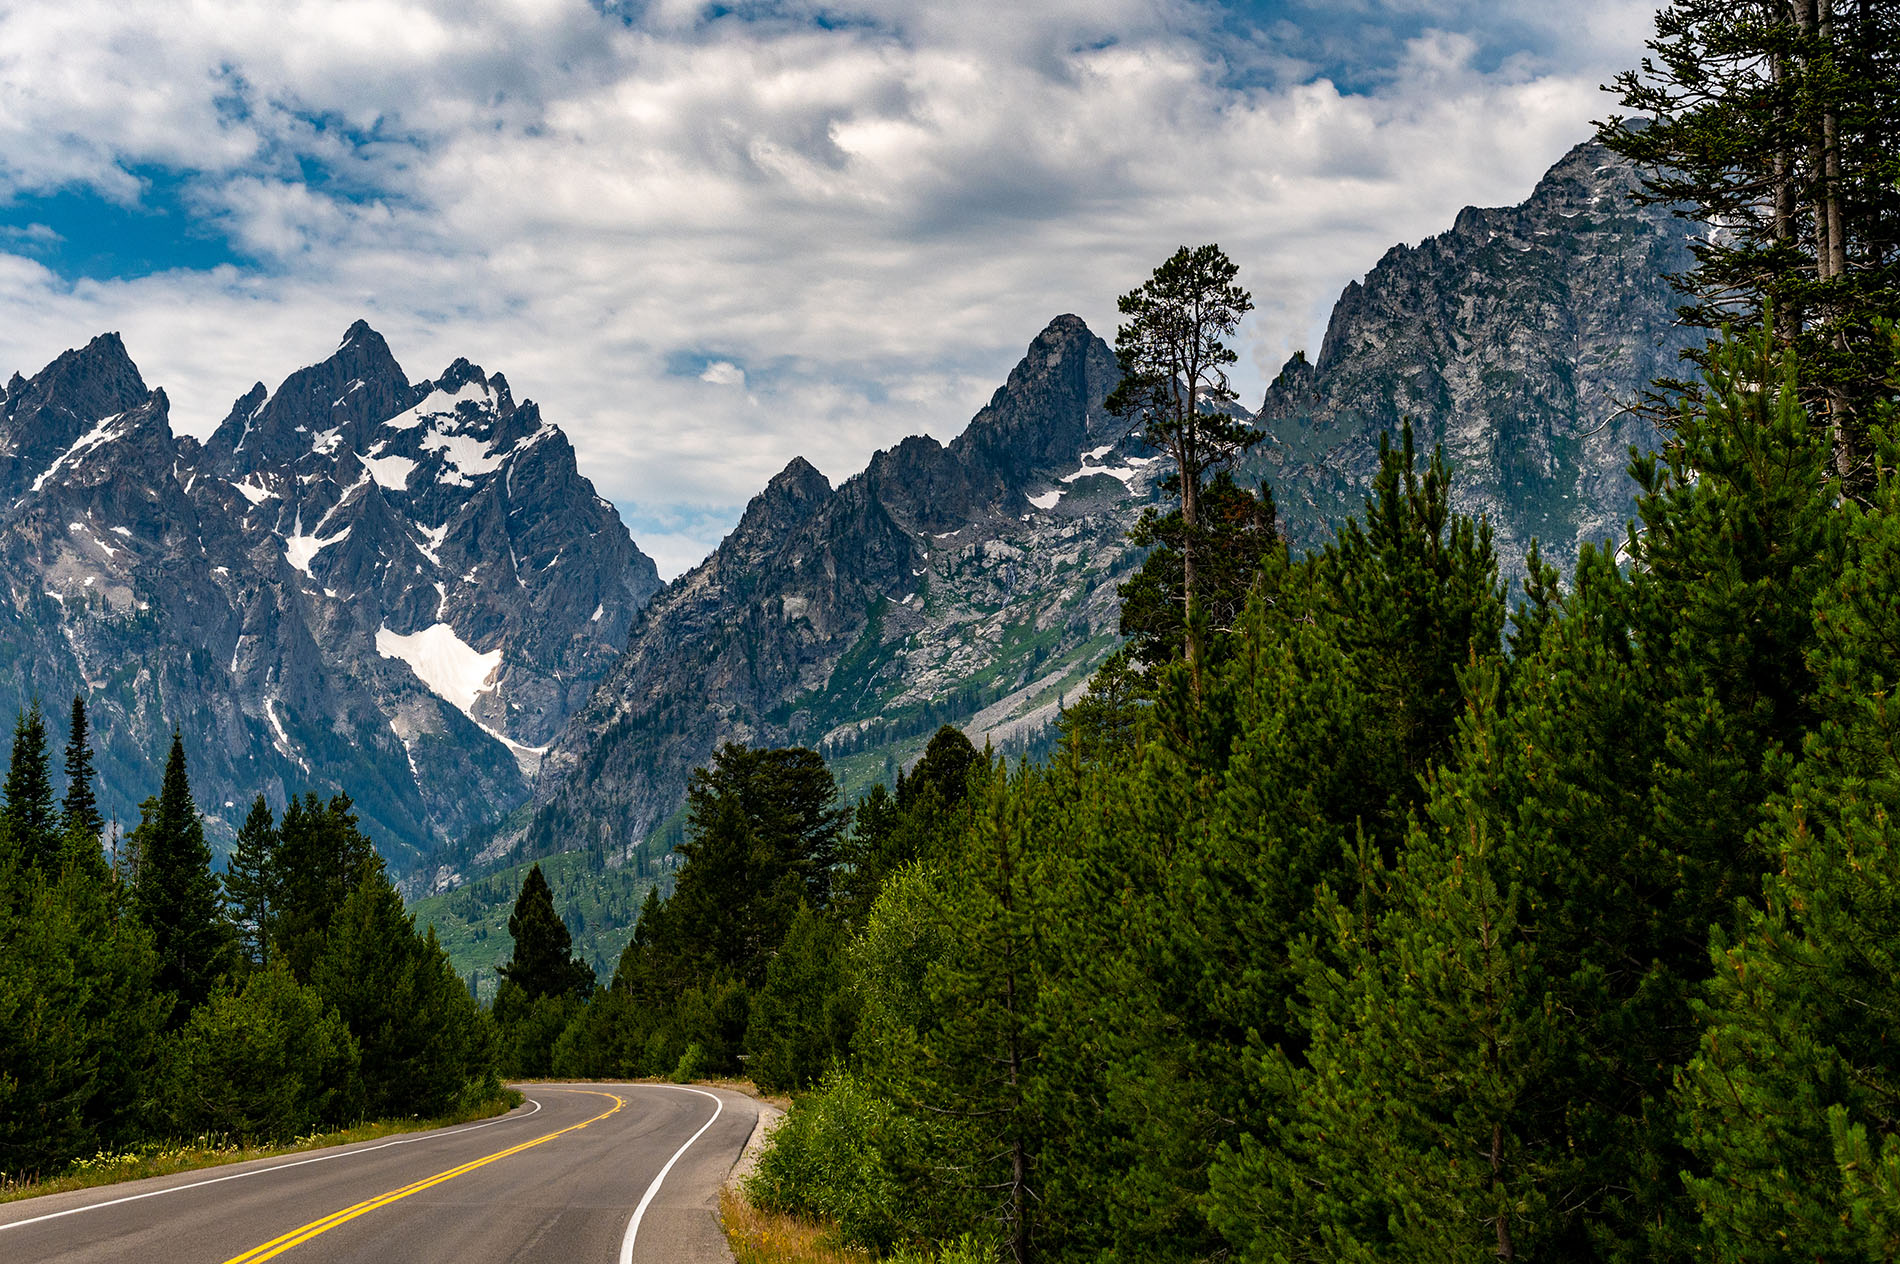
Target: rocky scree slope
{"x":1517,"y":340}
{"x":358,"y":582}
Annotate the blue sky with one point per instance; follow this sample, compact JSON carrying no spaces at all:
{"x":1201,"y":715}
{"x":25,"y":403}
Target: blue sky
{"x":709,"y":238}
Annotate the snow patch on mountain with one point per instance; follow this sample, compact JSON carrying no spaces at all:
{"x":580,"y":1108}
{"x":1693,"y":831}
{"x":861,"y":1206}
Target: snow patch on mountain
{"x":91,"y":439}
{"x":256,"y":495}
{"x":391,"y":472}
{"x":465,"y":455}
{"x":450,"y":666}
{"x":300,"y":550}
{"x":439,"y":403}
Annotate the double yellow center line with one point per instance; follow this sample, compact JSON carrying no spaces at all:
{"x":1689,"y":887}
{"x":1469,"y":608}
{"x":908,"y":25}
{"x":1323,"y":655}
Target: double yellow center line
{"x":277,"y":1246}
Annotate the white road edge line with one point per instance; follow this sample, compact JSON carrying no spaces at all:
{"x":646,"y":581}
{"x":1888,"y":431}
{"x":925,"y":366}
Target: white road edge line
{"x":633,"y":1225}
{"x":259,"y":1171}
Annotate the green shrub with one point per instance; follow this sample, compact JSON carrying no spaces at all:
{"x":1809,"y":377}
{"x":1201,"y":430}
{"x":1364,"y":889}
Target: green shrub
{"x":269,"y":1063}
{"x":832,"y":1158}
{"x":690,"y":1064}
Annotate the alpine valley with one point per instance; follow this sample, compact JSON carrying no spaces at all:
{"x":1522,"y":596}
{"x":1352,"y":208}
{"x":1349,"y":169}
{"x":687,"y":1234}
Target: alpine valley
{"x":974,"y":583}
{"x":409,"y":591}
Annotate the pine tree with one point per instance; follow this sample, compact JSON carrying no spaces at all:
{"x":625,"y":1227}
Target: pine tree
{"x":942,"y":772}
{"x":413,"y":1021}
{"x":1238,"y":529}
{"x":1790,"y":1106}
{"x":28,"y":813}
{"x":763,"y":835}
{"x":1102,"y":725}
{"x":80,"y":812}
{"x":543,"y":963}
{"x":878,"y":842}
{"x":128,"y":850}
{"x":80,"y":1019}
{"x":1424,"y":1117}
{"x":177,"y":896}
{"x":320,"y":859}
{"x":252,"y":884}
{"x":802,"y":1019}
{"x":1771,"y":120}
{"x":1174,"y":384}
{"x":971,"y":1054}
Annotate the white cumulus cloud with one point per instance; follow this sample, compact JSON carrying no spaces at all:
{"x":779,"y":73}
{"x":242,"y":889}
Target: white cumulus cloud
{"x":874,"y":216}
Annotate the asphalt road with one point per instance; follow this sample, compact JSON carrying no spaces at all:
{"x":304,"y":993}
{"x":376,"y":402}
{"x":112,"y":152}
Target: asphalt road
{"x":582,"y":1172}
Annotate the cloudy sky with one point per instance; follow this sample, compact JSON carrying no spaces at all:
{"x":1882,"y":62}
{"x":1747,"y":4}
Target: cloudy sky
{"x":710,"y":237}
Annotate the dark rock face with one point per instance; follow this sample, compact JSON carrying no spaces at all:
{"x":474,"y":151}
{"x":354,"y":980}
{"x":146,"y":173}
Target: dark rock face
{"x":1516,"y":339}
{"x":968,"y":583}
{"x":402,"y":590}
{"x":44,"y":417}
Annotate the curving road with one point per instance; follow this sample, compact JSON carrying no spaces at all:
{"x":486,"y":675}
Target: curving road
{"x":582,"y":1172}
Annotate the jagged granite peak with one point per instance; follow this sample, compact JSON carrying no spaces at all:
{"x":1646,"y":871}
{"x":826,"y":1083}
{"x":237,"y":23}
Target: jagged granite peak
{"x":43,"y":418}
{"x":1049,"y":409}
{"x":1515,"y":339}
{"x":358,"y":583}
{"x":359,"y":384}
{"x":788,"y":499}
{"x":972,"y":582}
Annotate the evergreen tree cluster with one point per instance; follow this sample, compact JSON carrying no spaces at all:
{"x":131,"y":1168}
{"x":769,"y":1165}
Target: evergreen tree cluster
{"x":154,"y":999}
{"x":1429,"y":929}
{"x":741,"y":968}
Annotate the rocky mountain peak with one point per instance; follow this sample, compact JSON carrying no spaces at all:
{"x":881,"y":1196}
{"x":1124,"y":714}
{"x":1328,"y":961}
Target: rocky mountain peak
{"x":460,"y":374}
{"x":789,"y":498}
{"x":859,"y":618}
{"x":357,"y":582}
{"x":1048,"y":410}
{"x":94,"y":381}
{"x":62,"y":407}
{"x":316,"y":409}
{"x":1514,"y":339}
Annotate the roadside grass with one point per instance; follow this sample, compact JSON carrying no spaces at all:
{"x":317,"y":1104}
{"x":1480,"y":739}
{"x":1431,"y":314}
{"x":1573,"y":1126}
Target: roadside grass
{"x":163,"y":1158}
{"x":768,"y":1237}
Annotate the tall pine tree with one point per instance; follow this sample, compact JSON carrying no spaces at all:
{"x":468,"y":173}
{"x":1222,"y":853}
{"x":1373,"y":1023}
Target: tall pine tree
{"x":80,"y":812}
{"x":177,"y":896}
{"x":418,"y":1031}
{"x":28,"y":814}
{"x":320,"y":859}
{"x":252,"y":883}
{"x":543,"y":963}
{"x":1174,"y":386}
{"x":1792,"y":1106}
{"x":1771,"y":121}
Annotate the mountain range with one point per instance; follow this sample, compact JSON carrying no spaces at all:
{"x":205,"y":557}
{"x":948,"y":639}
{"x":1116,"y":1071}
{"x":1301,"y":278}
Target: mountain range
{"x":409,"y":591}
{"x":974,"y":583}
{"x":1518,"y":340}
{"x":358,"y":582}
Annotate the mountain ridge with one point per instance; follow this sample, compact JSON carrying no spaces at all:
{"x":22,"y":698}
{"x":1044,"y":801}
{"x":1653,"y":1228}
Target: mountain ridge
{"x":816,"y":601}
{"x":1517,"y":338}
{"x":309,"y":594}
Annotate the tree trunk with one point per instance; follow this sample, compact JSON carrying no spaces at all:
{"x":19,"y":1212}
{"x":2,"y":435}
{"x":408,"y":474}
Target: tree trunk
{"x":1018,"y":1214}
{"x":1783,"y":317}
{"x":1190,"y":467}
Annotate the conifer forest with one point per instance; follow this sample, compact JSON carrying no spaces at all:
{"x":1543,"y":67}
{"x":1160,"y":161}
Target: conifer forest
{"x":1370,"y":905}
